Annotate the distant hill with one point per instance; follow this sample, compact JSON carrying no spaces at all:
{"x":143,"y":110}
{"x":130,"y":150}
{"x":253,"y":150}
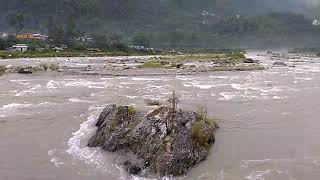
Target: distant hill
{"x":170,"y":22}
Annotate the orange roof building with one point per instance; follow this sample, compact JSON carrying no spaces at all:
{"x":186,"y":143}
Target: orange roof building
{"x":32,"y":36}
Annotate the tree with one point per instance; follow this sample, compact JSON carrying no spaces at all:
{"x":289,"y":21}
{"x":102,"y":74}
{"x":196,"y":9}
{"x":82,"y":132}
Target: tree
{"x":115,"y":38}
{"x":70,"y":29}
{"x":100,"y":41}
{"x":141,"y":40}
{"x":57,"y":35}
{"x":2,"y":44}
{"x":173,"y":100}
{"x":17,"y":21}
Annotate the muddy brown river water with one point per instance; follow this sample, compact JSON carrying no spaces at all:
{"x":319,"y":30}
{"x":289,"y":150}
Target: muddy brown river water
{"x":269,"y":122}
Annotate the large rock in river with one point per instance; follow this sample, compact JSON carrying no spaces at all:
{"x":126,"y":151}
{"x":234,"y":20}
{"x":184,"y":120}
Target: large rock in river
{"x":279,"y":64}
{"x":165,"y":141}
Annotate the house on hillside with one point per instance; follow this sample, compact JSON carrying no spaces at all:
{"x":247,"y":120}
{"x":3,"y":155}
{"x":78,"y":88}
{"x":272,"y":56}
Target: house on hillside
{"x":85,"y":39}
{"x":316,"y":22}
{"x":32,"y":36}
{"x":4,"y":35}
{"x":19,"y":48}
{"x":137,"y":47}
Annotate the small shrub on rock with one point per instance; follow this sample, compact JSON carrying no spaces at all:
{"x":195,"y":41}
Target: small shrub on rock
{"x":2,"y":70}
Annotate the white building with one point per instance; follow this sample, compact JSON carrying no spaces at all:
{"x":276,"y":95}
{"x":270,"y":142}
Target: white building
{"x":316,"y":22}
{"x":4,"y":35}
{"x":20,"y":47}
{"x":207,"y":13}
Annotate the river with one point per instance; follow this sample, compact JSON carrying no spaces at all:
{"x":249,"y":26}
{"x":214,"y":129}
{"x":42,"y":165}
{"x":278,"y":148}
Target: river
{"x":269,"y":121}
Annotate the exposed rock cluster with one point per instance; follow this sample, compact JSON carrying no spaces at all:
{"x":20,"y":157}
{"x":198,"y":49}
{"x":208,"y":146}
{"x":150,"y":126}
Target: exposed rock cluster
{"x":165,"y":141}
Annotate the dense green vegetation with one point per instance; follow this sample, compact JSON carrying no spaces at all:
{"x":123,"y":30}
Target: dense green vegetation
{"x":168,"y":23}
{"x":70,"y":47}
{"x":37,"y":54}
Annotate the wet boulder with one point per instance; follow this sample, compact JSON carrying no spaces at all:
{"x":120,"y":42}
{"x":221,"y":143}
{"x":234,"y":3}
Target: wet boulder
{"x":164,"y":141}
{"x":279,"y":64}
{"x":24,"y":71}
{"x":164,"y":62}
{"x":151,"y":102}
{"x":248,"y":60}
{"x":179,"y":65}
{"x":88,"y":68}
{"x":269,"y":52}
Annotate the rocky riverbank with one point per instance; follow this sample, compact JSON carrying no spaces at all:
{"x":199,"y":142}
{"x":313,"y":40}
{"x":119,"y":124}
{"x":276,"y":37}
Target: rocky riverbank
{"x":163,"y":142}
{"x":131,"y":66}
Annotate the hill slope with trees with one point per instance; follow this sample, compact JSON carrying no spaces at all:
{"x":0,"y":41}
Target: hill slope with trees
{"x":169,"y":23}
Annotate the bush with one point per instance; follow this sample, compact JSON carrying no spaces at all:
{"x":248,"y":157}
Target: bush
{"x":113,"y":125}
{"x":132,"y":111}
{"x":78,"y":47}
{"x":198,"y":136}
{"x":203,"y":117}
{"x":52,"y":67}
{"x":44,"y":66}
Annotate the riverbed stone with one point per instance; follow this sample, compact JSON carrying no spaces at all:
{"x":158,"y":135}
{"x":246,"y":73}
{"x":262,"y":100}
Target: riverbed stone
{"x":279,"y":64}
{"x":24,"y":71}
{"x":248,"y":60}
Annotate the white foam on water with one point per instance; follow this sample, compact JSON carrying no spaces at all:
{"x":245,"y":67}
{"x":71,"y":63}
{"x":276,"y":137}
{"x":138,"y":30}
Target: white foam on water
{"x":32,"y":90}
{"x":131,"y":97}
{"x":14,"y":106}
{"x":18,"y":80}
{"x":14,"y":91}
{"x":46,"y":103}
{"x":262,"y":175}
{"x":142,"y":178}
{"x":79,"y":149}
{"x":236,"y":86}
{"x":145,"y":79}
{"x":88,"y":84}
{"x":220,"y":176}
{"x":78,"y":100}
{"x":271,"y":72}
{"x":55,"y":160}
{"x":204,"y":86}
{"x":301,"y":78}
{"x":234,"y":78}
{"x":154,"y":86}
{"x":272,"y":168}
{"x":184,"y":78}
{"x":227,"y":96}
{"x":279,"y":97}
{"x":24,"y":83}
{"x":153,"y":97}
{"x":286,"y":113}
{"x":126,"y":83}
{"x":201,"y":86}
{"x":221,"y":77}
{"x":52,"y":84}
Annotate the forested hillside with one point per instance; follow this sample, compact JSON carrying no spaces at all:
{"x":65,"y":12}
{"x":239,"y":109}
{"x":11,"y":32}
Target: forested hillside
{"x":170,"y":22}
